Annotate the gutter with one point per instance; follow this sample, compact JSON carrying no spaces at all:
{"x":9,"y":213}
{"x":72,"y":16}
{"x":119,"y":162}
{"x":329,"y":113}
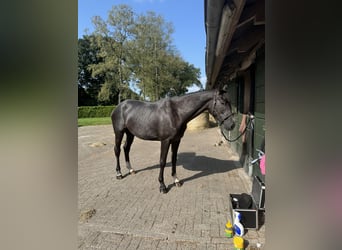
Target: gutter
{"x":213,"y":10}
{"x":221,"y":18}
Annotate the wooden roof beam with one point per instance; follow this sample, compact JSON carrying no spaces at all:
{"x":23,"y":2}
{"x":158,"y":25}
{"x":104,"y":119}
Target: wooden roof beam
{"x":226,"y":38}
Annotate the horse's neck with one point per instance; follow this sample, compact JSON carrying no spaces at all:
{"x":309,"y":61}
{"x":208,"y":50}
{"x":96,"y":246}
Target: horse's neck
{"x":194,"y":104}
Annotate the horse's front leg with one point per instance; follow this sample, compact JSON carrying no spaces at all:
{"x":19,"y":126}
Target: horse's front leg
{"x":163,"y":155}
{"x":174,"y":149}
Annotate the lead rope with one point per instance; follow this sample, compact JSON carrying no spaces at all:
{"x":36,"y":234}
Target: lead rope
{"x":251,"y":118}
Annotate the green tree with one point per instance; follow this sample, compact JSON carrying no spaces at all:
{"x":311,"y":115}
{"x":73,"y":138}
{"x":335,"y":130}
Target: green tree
{"x":159,"y":68}
{"x":138,"y":50}
{"x":88,"y":86}
{"x":152,"y":45}
{"x":179,"y":76}
{"x":113,"y":36}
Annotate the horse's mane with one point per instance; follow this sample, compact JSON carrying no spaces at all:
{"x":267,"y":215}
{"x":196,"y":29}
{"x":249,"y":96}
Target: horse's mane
{"x":192,"y":93}
{"x":172,"y":97}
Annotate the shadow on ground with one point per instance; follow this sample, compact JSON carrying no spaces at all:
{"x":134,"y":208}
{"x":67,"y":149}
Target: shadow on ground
{"x":206,"y":166}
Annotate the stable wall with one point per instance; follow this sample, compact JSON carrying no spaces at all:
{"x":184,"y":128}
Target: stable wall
{"x":259,"y":107}
{"x":248,"y":95}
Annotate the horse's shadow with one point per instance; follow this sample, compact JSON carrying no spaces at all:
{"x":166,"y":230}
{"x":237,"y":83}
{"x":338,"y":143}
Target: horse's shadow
{"x":206,"y":166}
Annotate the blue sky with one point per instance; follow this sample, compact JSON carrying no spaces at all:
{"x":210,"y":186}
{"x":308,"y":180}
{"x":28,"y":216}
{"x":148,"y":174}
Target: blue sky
{"x":187,"y":17}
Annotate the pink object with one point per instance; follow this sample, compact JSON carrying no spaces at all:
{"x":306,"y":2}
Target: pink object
{"x":263,"y":164}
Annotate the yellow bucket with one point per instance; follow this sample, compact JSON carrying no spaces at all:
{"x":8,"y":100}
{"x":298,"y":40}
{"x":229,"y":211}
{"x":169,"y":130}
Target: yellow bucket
{"x":238,"y":243}
{"x":229,"y":233}
{"x":229,"y":229}
{"x":229,"y":225}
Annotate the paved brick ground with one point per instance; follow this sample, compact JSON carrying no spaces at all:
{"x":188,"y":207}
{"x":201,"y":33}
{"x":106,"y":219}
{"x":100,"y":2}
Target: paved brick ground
{"x":132,"y":214}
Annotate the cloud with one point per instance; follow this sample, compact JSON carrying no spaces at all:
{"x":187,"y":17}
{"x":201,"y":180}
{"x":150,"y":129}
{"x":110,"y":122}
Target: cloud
{"x":203,"y":80}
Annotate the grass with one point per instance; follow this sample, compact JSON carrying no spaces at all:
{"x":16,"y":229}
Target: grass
{"x":94,"y":121}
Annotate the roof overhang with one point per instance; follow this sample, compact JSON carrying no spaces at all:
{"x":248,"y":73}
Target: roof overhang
{"x":235,"y":29}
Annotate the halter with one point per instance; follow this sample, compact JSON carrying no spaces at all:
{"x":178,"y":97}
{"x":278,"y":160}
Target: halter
{"x":227,"y":117}
{"x":215,"y":113}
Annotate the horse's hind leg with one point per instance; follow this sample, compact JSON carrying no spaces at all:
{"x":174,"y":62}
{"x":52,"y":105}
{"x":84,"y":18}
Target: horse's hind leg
{"x":117,"y":150}
{"x":163,"y":155}
{"x":127,"y":148}
{"x":174,"y":149}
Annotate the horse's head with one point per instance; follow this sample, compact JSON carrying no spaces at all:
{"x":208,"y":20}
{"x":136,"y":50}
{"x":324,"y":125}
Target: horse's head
{"x":222,"y":110}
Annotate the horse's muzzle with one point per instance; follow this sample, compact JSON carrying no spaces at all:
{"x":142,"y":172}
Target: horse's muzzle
{"x":228,"y":125}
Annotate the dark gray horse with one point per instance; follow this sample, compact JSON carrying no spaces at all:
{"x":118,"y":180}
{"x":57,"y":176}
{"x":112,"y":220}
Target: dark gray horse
{"x":165,"y":121}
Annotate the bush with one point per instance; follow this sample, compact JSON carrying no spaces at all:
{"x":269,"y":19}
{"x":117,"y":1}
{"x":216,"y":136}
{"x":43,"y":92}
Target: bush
{"x":94,"y":111}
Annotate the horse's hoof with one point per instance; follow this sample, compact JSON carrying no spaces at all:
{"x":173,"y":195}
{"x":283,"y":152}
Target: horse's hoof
{"x":119,"y":177}
{"x":132,"y":171}
{"x":163,"y":190}
{"x":178,"y":184}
